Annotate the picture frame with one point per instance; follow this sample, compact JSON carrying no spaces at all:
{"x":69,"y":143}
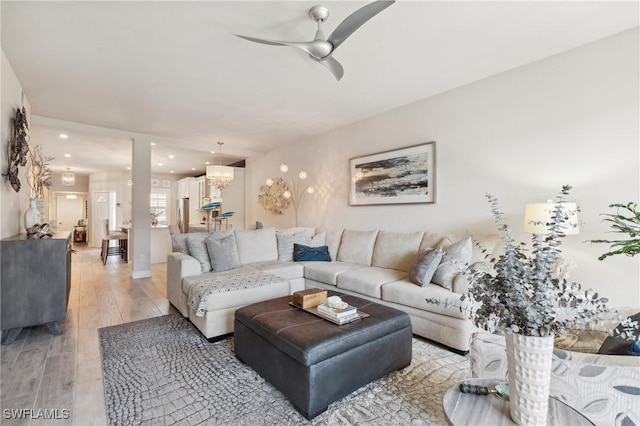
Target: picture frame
{"x":155,"y":182}
{"x":166,"y":183}
{"x":400,"y":176}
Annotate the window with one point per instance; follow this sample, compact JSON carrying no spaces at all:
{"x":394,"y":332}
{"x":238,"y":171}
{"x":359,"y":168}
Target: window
{"x":159,"y":203}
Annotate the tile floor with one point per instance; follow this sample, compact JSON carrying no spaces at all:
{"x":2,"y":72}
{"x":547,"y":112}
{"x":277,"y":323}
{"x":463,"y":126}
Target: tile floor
{"x":57,"y":373}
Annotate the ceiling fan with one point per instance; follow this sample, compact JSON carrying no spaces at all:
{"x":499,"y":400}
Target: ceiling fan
{"x":321,"y":49}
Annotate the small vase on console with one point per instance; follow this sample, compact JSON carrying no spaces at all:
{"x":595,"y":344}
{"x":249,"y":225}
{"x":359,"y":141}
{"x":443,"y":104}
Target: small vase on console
{"x":32,"y":214}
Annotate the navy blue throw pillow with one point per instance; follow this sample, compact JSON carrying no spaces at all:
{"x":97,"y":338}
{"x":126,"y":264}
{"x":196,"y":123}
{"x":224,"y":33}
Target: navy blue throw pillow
{"x":618,"y":346}
{"x":310,"y":254}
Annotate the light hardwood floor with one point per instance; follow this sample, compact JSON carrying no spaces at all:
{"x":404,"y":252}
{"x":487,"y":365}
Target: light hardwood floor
{"x":41,"y":371}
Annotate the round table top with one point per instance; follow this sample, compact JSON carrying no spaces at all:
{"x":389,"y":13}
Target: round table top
{"x":467,"y":409}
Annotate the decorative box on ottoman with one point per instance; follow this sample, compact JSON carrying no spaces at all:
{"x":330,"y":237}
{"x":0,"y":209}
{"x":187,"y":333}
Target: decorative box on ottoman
{"x":314,"y":362}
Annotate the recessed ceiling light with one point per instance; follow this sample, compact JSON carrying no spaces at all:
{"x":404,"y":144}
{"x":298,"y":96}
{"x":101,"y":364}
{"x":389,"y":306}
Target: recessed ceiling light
{"x":160,"y":164}
{"x":128,"y":168}
{"x":153,"y":144}
{"x":213,"y":152}
{"x":63,"y":136}
{"x":206,"y":162}
{"x":172,"y":156}
{"x":193,"y":168}
{"x":67,"y":155}
{"x":171,"y":171}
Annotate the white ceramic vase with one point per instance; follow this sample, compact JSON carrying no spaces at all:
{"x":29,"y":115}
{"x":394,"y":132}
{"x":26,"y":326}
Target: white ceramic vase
{"x":529,"y":365}
{"x":31,"y":215}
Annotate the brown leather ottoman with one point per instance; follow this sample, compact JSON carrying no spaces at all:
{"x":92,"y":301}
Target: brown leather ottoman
{"x":314,"y":362}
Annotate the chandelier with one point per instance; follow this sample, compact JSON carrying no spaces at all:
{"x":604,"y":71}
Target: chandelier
{"x":68,"y":179}
{"x":220,"y":176}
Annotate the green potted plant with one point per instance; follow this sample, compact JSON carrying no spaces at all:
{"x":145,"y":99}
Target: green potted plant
{"x":626,"y":220}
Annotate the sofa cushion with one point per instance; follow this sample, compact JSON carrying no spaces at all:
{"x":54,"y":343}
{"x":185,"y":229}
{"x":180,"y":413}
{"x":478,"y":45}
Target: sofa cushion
{"x":425,"y":266}
{"x":257,"y":245}
{"x":288,"y":270}
{"x":456,"y":258}
{"x":396,"y":250}
{"x":327,"y":272}
{"x":482,"y":244}
{"x":368,"y":280}
{"x":432,"y":239}
{"x":357,"y":246}
{"x":223,"y":253}
{"x":309,"y":231}
{"x":332,"y":240}
{"x":404,"y":292}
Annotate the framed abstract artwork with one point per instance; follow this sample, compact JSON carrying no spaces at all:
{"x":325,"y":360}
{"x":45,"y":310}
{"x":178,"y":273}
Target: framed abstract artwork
{"x":401,"y":176}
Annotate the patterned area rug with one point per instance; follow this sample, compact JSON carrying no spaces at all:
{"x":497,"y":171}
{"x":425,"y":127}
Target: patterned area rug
{"x":162,"y":371}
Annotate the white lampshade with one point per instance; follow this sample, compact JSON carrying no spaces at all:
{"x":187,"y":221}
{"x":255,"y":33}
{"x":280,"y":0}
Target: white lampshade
{"x":220,"y":176}
{"x":537,"y":216}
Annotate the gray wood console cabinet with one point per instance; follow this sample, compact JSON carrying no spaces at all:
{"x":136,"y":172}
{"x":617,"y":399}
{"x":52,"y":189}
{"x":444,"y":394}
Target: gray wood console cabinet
{"x":35,"y":279}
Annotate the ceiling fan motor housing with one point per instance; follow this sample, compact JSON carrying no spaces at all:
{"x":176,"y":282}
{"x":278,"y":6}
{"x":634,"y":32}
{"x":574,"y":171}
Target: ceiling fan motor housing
{"x":319,"y":13}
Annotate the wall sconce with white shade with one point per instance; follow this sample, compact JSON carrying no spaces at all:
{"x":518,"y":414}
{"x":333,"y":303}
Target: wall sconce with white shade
{"x":220,"y":176}
{"x":68,"y":178}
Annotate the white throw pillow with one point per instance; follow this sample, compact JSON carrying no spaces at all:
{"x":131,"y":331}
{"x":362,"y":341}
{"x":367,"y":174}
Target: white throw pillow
{"x":286,"y":242}
{"x":223,"y":253}
{"x":425,"y":266}
{"x":456,"y":258}
{"x":198,"y":247}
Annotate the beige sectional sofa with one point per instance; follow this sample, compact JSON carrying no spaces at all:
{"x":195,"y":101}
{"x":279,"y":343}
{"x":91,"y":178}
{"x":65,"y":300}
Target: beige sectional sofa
{"x":373,"y":265}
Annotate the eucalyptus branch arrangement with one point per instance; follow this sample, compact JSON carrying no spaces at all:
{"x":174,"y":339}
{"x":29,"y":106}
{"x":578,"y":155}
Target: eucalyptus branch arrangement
{"x":518,"y":292}
{"x":626,"y":220}
{"x":38,"y":172}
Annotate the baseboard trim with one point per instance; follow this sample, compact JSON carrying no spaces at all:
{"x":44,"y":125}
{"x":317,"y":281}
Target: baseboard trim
{"x":141,"y":274}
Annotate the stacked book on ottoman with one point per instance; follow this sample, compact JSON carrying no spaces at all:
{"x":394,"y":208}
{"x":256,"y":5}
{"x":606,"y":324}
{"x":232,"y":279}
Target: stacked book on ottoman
{"x":341,"y":316}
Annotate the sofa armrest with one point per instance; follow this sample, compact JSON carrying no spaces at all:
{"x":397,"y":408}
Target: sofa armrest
{"x":180,"y":265}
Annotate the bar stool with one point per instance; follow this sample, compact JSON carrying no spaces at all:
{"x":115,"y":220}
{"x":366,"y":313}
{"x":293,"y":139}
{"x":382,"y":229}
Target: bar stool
{"x":225,"y":216}
{"x":108,"y":249}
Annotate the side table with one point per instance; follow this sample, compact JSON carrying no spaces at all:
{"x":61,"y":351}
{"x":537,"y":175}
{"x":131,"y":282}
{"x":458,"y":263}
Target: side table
{"x":462,"y":409}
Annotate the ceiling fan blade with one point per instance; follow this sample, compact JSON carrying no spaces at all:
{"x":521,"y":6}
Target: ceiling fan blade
{"x":263,"y":40}
{"x":356,"y":20}
{"x":316,"y":48}
{"x":334,"y":66}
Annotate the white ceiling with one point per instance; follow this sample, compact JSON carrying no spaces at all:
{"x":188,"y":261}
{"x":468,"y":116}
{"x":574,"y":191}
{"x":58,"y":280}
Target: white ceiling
{"x":175,"y":71}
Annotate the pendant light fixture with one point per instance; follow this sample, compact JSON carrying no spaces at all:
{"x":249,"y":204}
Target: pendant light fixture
{"x":220,"y":176}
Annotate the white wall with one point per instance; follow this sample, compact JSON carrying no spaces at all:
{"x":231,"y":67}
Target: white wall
{"x":569,"y":119}
{"x":12,"y":203}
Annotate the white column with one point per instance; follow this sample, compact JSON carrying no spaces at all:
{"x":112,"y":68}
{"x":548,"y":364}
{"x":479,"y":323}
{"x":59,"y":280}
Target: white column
{"x":140,"y":209}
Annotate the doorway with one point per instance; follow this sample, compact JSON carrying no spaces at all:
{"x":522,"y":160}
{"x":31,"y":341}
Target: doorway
{"x":69,"y":210}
